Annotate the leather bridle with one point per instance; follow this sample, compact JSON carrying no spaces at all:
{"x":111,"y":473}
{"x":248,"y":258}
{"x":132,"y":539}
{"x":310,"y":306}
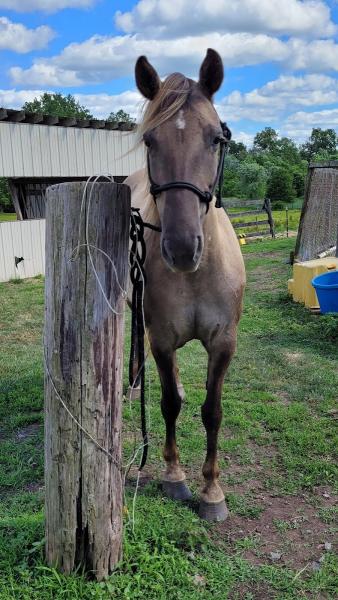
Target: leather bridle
{"x":207,"y":196}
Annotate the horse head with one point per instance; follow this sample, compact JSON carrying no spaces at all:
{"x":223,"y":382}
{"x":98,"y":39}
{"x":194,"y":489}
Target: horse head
{"x":183,"y":134}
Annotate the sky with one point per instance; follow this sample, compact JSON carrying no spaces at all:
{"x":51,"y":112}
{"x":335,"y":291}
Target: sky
{"x":280,"y":56}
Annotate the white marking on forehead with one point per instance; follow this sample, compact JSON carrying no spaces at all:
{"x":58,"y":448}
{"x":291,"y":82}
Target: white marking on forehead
{"x":180,"y":122}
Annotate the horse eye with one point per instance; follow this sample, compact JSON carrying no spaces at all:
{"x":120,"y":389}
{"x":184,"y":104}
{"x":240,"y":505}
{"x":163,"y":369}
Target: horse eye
{"x":217,"y":140}
{"x":146,"y":141}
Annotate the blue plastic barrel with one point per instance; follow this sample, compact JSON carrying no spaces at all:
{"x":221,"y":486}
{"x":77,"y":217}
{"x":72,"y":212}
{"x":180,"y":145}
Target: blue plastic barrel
{"x":326,"y":286}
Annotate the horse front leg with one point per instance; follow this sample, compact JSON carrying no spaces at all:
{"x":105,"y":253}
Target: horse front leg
{"x":173,"y":480}
{"x":212,"y":504}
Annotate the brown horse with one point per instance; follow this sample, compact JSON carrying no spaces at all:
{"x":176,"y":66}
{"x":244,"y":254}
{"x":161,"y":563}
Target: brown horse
{"x":194,"y":267}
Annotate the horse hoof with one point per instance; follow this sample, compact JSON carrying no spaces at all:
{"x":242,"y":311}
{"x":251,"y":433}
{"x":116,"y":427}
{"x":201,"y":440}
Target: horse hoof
{"x":177,"y":490}
{"x":213,"y":511}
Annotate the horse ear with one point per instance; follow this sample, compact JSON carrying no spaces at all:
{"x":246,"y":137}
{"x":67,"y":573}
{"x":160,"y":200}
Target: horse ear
{"x":211,"y":73}
{"x":147,"y":80}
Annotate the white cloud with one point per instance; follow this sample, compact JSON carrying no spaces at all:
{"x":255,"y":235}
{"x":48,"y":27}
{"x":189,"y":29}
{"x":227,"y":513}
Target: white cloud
{"x":299,"y":125}
{"x":44,"y":5}
{"x":17,"y":98}
{"x":17,"y":37}
{"x":100,"y":105}
{"x":102,"y":58}
{"x":272,"y":100}
{"x":44,"y":73}
{"x":320,"y":118}
{"x":244,"y":137}
{"x":175,"y":18}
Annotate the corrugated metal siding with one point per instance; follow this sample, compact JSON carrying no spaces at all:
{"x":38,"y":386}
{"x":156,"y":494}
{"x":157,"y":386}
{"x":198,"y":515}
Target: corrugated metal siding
{"x":22,"y":239}
{"x":42,"y":151}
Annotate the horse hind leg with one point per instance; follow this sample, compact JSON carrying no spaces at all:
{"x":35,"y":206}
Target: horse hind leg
{"x":212,"y":503}
{"x":173,"y":480}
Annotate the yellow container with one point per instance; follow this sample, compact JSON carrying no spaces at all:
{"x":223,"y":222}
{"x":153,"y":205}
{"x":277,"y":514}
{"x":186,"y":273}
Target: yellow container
{"x":300,"y":286}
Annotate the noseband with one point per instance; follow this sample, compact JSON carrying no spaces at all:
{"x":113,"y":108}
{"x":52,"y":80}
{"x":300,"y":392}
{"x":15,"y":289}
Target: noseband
{"x":156,"y":189}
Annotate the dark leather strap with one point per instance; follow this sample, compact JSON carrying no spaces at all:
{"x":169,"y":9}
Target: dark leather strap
{"x":156,"y":189}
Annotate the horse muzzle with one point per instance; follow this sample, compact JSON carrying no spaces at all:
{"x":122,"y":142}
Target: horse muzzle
{"x":182,"y":255}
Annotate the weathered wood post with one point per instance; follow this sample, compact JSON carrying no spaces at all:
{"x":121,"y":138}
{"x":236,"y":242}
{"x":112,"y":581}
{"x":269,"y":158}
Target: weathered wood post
{"x":83,"y":345}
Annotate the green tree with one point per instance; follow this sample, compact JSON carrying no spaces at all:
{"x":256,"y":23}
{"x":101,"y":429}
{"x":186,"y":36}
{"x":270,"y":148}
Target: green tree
{"x":265,"y":141}
{"x":120,"y":117}
{"x":231,"y":179}
{"x":238,"y":149}
{"x":280,"y":186}
{"x":58,"y":105}
{"x":252,"y":180}
{"x":5,"y":197}
{"x":298,"y":182}
{"x":320,"y":141}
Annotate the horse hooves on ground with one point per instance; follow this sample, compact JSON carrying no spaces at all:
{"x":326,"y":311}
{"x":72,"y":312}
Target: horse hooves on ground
{"x":177,"y":490}
{"x":213,"y":511}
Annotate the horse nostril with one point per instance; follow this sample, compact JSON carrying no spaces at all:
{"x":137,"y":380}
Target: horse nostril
{"x":166,"y":252}
{"x":198,"y":248}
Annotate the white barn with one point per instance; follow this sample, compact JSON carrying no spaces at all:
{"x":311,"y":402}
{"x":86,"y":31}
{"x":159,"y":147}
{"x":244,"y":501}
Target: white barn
{"x":38,"y":150}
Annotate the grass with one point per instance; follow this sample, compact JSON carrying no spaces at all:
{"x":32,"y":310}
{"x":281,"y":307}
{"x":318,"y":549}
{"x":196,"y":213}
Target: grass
{"x":7,"y":217}
{"x":276,"y":456}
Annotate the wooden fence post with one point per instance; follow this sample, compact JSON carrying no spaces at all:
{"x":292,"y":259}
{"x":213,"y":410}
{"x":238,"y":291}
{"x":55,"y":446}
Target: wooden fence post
{"x":83,"y":347}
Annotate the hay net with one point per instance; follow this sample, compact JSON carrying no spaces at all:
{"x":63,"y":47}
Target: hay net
{"x":319,"y":219}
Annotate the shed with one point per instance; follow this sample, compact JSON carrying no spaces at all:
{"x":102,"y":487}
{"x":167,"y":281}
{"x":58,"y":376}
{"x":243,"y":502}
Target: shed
{"x":317,"y":233}
{"x":39,"y":150}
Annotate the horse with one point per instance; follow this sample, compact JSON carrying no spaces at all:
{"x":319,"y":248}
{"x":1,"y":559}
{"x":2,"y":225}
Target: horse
{"x":194,"y":269}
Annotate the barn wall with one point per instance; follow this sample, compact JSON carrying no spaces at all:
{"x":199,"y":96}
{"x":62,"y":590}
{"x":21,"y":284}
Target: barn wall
{"x":41,"y":151}
{"x":22,"y":239}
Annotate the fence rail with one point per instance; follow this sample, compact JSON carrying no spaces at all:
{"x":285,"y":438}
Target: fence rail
{"x":22,"y":249}
{"x":257,"y":209}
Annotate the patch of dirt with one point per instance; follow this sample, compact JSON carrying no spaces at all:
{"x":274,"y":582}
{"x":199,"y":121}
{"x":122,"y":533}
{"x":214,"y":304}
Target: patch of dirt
{"x":28,"y":431}
{"x":260,"y":279}
{"x":257,"y":590}
{"x":294,"y":356}
{"x":283,"y":397}
{"x":34,"y":486}
{"x":288,"y":526}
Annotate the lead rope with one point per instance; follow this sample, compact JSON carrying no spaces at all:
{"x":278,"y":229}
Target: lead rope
{"x":137,"y":257}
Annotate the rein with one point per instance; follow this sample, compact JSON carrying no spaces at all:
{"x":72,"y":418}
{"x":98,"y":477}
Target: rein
{"x":204,"y":196}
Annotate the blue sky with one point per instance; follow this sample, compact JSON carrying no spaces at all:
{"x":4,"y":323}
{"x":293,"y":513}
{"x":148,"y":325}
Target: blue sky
{"x":280,"y":56}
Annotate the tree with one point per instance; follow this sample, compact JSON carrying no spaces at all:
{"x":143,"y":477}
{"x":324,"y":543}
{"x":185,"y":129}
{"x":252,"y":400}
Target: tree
{"x":5,"y":197}
{"x":320,"y":141}
{"x":231,"y":179}
{"x":58,"y":105}
{"x":120,"y":117}
{"x":252,"y":180}
{"x":265,"y":140}
{"x":238,"y":149}
{"x":280,"y":188}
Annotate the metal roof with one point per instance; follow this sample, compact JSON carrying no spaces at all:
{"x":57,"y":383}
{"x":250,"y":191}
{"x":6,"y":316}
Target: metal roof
{"x":10,"y":115}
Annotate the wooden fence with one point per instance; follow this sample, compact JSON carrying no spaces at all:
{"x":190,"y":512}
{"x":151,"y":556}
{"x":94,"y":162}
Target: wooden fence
{"x":252,"y":208}
{"x":22,"y":249}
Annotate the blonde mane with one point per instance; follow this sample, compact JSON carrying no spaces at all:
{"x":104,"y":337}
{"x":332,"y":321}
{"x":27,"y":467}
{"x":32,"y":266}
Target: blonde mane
{"x":172,"y":96}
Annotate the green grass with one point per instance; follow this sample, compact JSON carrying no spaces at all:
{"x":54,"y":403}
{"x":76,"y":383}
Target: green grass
{"x":7,"y":217}
{"x":276,"y":449}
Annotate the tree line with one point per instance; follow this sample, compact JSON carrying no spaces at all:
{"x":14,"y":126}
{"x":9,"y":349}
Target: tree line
{"x":274,"y":167}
